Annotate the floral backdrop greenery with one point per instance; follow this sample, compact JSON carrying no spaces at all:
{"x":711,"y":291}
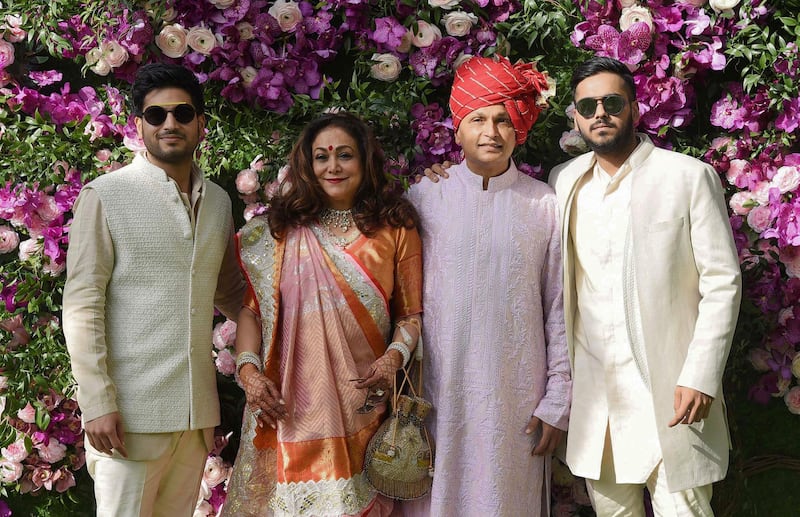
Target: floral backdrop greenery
{"x":717,"y":79}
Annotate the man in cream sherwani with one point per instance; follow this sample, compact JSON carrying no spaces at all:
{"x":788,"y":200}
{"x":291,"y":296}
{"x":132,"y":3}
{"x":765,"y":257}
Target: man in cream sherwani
{"x":651,"y":297}
{"x":150,"y":254}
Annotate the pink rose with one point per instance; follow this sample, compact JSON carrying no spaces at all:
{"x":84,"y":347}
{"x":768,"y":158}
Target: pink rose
{"x":10,"y":471}
{"x":741,"y":202}
{"x":635,"y":14}
{"x":425,"y":34}
{"x":737,"y":169}
{"x":226,"y":364}
{"x":13,"y":28}
{"x":224,"y":334}
{"x":287,"y":13}
{"x":6,"y":54}
{"x":761,"y":192}
{"x":49,"y":210}
{"x":759,"y":218}
{"x":114,"y":53}
{"x":172,"y":41}
{"x":9,"y":239}
{"x":16,"y":451}
{"x":459,"y":23}
{"x":759,"y":358}
{"x":27,"y":414}
{"x":216,"y":471}
{"x":792,"y":399}
{"x":201,"y":40}
{"x":53,"y":452}
{"x":786,"y":179}
{"x":790,"y":258}
{"x":247,"y":181}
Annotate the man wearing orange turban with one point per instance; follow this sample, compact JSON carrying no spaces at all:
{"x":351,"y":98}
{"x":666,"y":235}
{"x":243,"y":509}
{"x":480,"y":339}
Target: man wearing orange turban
{"x":498,"y":372}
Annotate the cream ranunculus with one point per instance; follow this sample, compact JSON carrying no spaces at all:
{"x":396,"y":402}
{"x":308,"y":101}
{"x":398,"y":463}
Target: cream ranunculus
{"x":634,"y":14}
{"x":723,"y":5}
{"x":245,"y":30}
{"x":172,"y":41}
{"x":796,"y":365}
{"x":201,"y":39}
{"x":114,"y":53}
{"x":287,"y":13}
{"x":461,"y":59}
{"x":249,"y":75}
{"x":459,"y":23}
{"x":386,"y":68}
{"x":222,"y":4}
{"x":444,"y":4}
{"x":425,"y":34}
{"x":97,"y":62}
{"x":626,"y":3}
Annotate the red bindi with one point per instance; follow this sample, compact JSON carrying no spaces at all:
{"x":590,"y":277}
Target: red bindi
{"x":330,"y":148}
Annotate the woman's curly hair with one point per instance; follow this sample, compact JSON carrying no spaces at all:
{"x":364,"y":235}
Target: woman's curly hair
{"x":300,"y":198}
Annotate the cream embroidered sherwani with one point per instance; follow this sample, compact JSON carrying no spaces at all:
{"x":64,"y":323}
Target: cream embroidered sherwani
{"x":682,"y":264}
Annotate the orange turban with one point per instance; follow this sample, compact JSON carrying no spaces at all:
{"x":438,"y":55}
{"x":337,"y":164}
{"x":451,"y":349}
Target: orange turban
{"x":483,"y":81}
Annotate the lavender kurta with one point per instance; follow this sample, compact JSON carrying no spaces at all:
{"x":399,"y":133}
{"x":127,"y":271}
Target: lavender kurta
{"x":495,"y":350}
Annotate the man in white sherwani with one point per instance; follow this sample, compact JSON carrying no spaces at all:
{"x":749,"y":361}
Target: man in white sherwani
{"x":651,"y":296}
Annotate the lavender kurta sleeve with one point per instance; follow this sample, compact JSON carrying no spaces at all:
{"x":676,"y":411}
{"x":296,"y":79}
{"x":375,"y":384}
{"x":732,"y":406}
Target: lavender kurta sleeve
{"x":555,"y":405}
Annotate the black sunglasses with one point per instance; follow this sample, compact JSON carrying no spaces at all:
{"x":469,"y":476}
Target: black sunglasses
{"x":612,"y":104}
{"x":156,"y":115}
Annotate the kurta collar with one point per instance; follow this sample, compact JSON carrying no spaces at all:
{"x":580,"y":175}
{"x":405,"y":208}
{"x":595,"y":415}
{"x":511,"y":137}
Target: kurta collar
{"x":496,"y":183}
{"x":158,"y":174}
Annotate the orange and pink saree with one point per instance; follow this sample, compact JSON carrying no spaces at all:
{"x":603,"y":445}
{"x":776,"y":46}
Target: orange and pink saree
{"x":326,"y":314}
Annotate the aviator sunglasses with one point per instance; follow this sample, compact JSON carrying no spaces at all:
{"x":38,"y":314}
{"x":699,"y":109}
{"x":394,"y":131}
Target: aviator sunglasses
{"x":612,"y":104}
{"x":156,"y":115}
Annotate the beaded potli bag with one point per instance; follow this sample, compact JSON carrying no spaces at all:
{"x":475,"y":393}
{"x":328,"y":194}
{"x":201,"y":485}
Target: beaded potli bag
{"x":399,"y":458}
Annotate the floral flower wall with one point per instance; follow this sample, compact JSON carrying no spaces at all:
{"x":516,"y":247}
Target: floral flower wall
{"x":716,"y":79}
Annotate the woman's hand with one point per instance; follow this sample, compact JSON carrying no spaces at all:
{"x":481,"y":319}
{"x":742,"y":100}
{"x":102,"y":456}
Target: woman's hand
{"x":263,"y":397}
{"x":382,"y":371}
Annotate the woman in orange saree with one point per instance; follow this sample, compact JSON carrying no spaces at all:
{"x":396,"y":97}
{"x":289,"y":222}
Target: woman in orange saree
{"x":334,"y":273}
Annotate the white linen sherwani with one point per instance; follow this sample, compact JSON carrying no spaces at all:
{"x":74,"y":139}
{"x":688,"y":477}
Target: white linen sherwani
{"x":684,"y":265}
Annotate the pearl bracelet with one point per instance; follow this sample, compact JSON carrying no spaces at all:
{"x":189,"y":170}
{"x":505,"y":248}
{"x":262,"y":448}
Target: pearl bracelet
{"x":403,"y":349}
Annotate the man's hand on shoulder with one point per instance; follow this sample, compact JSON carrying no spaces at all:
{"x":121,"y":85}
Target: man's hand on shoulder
{"x":434,"y":172}
{"x":106,"y":433}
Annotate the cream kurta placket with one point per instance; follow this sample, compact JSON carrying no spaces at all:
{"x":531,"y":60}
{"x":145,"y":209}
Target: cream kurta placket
{"x":598,"y":229}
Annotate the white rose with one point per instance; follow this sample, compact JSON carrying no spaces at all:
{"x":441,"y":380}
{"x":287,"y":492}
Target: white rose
{"x":172,"y":41}
{"x":634,"y":14}
{"x":444,"y":4}
{"x":114,"y":53}
{"x":723,"y":5}
{"x":572,"y":143}
{"x":425,"y":34}
{"x":287,"y":13}
{"x":459,"y":23}
{"x":386,"y":68}
{"x":249,"y":75}
{"x":786,"y":179}
{"x":201,"y":39}
{"x":245,"y":30}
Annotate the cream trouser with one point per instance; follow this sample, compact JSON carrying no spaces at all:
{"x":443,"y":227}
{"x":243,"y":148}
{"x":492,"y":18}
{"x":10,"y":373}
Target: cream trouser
{"x":612,"y":499}
{"x":160,"y":477}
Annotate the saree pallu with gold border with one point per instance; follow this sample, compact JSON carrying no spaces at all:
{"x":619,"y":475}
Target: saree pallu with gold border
{"x":325,"y":318}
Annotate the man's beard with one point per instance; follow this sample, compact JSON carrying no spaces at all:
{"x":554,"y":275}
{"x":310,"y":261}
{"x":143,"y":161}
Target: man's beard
{"x":625,"y":135}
